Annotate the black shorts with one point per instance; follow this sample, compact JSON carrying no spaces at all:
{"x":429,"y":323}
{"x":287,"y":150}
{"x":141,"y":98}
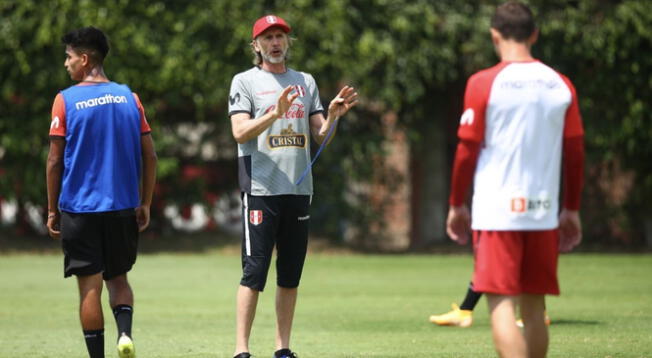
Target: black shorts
{"x":99,"y":242}
{"x":281,"y":221}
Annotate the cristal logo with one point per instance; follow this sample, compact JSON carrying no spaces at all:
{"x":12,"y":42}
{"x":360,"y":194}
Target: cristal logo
{"x":271,"y":19}
{"x":288,"y":138}
{"x":467,"y":117}
{"x":99,"y":101}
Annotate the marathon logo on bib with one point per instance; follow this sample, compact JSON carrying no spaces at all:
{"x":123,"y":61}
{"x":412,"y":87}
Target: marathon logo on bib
{"x":255,"y":217}
{"x":288,"y":138}
{"x":100,"y":101}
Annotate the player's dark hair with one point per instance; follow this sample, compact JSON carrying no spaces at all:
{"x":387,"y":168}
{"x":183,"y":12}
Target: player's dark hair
{"x":88,"y":40}
{"x":514,"y":20}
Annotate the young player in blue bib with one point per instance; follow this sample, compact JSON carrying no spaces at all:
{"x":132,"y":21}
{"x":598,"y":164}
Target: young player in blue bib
{"x":101,"y":153}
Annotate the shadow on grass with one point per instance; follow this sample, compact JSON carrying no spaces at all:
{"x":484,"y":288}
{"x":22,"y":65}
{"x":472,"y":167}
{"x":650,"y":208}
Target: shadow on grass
{"x":181,"y":242}
{"x":173,"y":242}
{"x":151,"y":242}
{"x":190,"y":243}
{"x":148,"y":243}
{"x":574,"y":322}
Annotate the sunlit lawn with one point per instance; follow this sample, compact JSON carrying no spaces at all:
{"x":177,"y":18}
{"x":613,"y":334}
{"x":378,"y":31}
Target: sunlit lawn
{"x":349,"y":306}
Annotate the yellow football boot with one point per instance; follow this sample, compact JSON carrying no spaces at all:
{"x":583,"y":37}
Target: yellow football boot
{"x":456,"y":317}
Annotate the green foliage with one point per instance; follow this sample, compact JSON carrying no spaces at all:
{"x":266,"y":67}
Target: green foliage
{"x":603,"y":47}
{"x":408,"y":57}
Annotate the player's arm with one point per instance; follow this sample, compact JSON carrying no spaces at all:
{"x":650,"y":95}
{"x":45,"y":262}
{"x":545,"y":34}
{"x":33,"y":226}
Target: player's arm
{"x":471,"y":134}
{"x":320,"y":126}
{"x":570,"y":225}
{"x":458,"y":223}
{"x":148,"y":180}
{"x":148,"y":175}
{"x":55,"y":165}
{"x":245,"y":129}
{"x":53,"y":173}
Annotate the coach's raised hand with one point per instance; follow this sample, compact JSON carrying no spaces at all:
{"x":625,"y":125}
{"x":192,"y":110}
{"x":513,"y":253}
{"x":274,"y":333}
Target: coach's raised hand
{"x":345,"y":100}
{"x":245,"y":129}
{"x":285,"y":101}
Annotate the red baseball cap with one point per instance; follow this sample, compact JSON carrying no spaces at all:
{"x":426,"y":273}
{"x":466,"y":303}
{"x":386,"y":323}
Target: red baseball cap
{"x":268,"y":21}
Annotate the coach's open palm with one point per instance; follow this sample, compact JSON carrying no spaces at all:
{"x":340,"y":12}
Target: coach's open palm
{"x":345,"y":100}
{"x":458,"y":224}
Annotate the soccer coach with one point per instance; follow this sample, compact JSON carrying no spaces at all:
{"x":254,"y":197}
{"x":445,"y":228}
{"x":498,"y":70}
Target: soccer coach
{"x":273,"y":110}
{"x":101,"y":152}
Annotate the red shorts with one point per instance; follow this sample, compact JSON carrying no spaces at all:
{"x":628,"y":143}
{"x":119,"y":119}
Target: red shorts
{"x":516,"y":262}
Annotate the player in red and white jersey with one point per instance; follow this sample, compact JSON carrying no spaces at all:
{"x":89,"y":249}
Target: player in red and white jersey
{"x":520,"y":125}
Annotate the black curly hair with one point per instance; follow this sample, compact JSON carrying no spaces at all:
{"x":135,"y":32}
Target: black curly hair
{"x":89,"y":40}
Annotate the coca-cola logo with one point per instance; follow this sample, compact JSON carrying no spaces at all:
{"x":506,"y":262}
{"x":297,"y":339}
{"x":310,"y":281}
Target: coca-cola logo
{"x":296,"y":111}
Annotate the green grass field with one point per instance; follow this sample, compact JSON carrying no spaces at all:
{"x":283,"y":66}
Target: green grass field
{"x":349,"y":306}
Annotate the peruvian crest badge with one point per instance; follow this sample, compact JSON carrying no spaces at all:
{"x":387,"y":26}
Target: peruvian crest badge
{"x":255,"y":217}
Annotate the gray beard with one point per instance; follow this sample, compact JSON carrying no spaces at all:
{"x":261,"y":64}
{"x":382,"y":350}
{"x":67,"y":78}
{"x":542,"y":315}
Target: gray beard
{"x":272,"y":59}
